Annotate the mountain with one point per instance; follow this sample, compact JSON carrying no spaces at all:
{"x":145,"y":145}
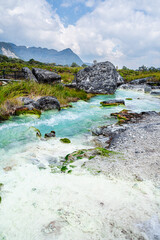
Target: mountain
{"x":64,"y":57}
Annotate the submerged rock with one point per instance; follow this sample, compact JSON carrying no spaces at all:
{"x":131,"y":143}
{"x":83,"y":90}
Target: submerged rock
{"x":44,"y":76}
{"x":99,"y":78}
{"x":125,"y":116}
{"x":112,"y":103}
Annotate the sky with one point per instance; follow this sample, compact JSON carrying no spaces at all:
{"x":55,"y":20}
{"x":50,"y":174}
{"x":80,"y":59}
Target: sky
{"x":124,"y":32}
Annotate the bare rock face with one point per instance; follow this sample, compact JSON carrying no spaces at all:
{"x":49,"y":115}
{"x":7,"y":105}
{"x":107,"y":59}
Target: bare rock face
{"x":99,"y":78}
{"x":44,"y":76}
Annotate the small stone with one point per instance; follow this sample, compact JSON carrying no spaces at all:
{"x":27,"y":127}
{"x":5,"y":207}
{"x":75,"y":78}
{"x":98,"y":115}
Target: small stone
{"x":49,"y":135}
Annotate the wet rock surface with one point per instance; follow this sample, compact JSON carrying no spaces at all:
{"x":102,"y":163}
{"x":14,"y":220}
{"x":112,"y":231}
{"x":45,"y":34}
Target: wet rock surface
{"x":49,"y":135}
{"x":99,"y":78}
{"x":113,"y":102}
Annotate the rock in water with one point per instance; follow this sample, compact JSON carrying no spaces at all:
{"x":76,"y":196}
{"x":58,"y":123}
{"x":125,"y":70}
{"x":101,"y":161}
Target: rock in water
{"x":112,"y":103}
{"x":44,"y":76}
{"x":99,"y":78}
{"x":49,"y":135}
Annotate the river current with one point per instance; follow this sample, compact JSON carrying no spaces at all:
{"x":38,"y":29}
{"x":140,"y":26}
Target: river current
{"x":38,"y":204}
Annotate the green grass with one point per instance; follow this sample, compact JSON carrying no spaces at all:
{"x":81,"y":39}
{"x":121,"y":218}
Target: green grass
{"x":32,"y":89}
{"x":130,"y":75}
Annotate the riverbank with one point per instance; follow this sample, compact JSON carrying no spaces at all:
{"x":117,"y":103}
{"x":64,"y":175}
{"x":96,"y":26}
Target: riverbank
{"x":10,"y":94}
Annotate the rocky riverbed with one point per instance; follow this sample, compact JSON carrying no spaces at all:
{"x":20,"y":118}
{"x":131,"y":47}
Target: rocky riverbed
{"x":138,"y":145}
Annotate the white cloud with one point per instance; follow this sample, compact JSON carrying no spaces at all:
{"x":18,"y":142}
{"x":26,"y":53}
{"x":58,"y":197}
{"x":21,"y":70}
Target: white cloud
{"x":125,"y":32}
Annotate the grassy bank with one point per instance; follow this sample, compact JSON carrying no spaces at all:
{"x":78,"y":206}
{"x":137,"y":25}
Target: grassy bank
{"x":10,"y":93}
{"x":130,"y":75}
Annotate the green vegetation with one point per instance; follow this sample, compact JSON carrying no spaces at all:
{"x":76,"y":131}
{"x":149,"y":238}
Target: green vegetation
{"x":142,"y":72}
{"x":26,"y":111}
{"x":14,"y":64}
{"x":129,"y":99}
{"x":65,"y":140}
{"x":10,"y":92}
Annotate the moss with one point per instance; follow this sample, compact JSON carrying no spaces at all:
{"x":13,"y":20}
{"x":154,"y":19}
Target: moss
{"x":91,"y":157}
{"x":72,"y":166}
{"x":64,"y":169}
{"x":67,"y":156}
{"x":38,"y":133}
{"x":26,"y":111}
{"x":65,"y":140}
{"x":104,"y":152}
{"x":0,"y":199}
{"x":129,"y":99}
{"x":70,"y":171}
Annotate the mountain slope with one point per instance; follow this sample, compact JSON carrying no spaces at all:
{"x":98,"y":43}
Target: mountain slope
{"x":66,"y":56}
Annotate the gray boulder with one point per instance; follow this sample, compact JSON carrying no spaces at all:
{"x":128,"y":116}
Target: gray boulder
{"x":139,"y":81}
{"x":120,"y":80}
{"x":28,"y":74}
{"x":136,"y":87}
{"x":47,"y":103}
{"x":156,"y":92}
{"x":43,"y":103}
{"x":44,"y":76}
{"x":99,"y":78}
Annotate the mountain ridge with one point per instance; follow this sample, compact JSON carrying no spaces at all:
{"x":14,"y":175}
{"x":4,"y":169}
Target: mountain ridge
{"x":63,"y":57}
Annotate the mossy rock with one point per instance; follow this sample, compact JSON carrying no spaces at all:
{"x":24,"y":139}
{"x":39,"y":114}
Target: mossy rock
{"x":65,"y":140}
{"x":26,"y":111}
{"x":38,"y":133}
{"x":112,"y":103}
{"x":129,"y":99}
{"x":88,"y":153}
{"x":4,"y":117}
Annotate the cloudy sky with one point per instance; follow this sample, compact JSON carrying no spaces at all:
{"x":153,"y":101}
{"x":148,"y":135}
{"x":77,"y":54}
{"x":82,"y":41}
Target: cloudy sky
{"x":125,"y":32}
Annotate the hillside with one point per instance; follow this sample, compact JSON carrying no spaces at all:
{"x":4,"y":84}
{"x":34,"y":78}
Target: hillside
{"x":64,"y":57}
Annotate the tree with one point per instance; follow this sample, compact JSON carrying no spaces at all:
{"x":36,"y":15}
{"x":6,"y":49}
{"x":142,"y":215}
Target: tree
{"x":143,"y":68}
{"x":74,"y":64}
{"x":124,"y":68}
{"x":84,"y":65}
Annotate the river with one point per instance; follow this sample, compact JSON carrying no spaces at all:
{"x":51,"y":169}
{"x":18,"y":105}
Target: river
{"x":40,"y":204}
